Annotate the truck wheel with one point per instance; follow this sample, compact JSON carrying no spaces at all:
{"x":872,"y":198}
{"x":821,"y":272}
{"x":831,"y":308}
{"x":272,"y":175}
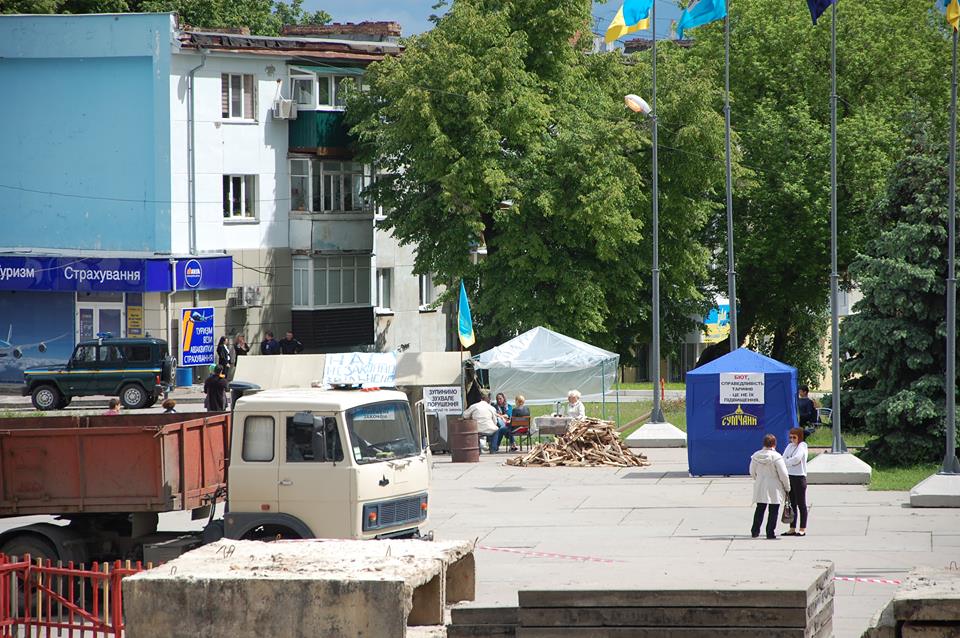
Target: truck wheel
{"x":45,"y":397}
{"x":20,"y":546}
{"x":152,"y":402}
{"x":133,"y":396}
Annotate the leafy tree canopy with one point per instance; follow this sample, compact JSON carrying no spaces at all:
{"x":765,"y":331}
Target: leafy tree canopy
{"x":498,"y":129}
{"x":263,"y":17}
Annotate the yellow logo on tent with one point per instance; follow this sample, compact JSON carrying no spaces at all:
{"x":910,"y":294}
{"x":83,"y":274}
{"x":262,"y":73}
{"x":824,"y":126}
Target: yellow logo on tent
{"x":739,"y":418}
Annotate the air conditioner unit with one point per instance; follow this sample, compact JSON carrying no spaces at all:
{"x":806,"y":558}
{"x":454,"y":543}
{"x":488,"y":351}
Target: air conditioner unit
{"x":284,"y":109}
{"x":237,"y":298}
{"x":252,"y":297}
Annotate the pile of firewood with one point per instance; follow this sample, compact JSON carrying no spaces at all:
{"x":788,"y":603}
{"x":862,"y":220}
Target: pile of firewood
{"x":588,"y":442}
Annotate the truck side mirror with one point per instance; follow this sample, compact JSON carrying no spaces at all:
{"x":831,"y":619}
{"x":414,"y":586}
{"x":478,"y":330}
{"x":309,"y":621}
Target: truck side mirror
{"x":304,"y":419}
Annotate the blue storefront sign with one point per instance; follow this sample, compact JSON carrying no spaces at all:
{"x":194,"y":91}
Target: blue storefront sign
{"x":94,"y":274}
{"x":196,"y":342}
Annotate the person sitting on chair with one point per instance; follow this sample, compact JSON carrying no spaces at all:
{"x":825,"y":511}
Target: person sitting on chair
{"x":807,"y":410}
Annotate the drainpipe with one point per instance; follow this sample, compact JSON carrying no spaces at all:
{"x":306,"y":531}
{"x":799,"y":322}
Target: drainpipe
{"x":192,"y":167}
{"x":173,"y":291}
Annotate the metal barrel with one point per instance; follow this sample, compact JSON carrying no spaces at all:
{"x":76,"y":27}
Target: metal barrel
{"x":464,"y":441}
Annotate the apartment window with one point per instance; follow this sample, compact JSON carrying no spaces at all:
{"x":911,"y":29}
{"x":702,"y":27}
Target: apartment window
{"x":304,"y":90}
{"x":239,"y":196}
{"x":237,"y":97}
{"x":384,"y":287}
{"x":331,"y":281}
{"x":426,"y":291}
{"x":320,"y":186}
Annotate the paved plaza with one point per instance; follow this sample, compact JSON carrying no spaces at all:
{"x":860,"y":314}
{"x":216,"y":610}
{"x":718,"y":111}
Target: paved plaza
{"x":531,"y":523}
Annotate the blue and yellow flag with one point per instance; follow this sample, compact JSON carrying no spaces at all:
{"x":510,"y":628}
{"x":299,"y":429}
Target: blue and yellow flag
{"x":953,"y":12}
{"x":464,"y":320}
{"x":817,"y":7}
{"x":700,"y":12}
{"x":631,"y":17}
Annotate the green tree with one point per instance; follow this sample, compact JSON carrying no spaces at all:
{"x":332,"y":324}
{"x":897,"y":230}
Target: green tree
{"x":893,"y":374}
{"x":263,"y":17}
{"x":498,"y":130}
{"x":891,"y":58}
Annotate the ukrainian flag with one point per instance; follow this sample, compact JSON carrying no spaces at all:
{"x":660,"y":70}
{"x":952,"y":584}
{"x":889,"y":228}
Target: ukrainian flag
{"x":953,"y":13}
{"x":464,"y":320}
{"x":632,"y":16}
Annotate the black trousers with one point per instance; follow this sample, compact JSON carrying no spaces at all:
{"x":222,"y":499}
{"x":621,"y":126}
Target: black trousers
{"x":798,"y":500}
{"x":773,"y":517}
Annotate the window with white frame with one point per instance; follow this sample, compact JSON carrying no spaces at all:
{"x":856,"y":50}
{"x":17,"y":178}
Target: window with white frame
{"x":323,"y":186}
{"x":384,"y":287}
{"x":319,"y":91}
{"x":237,"y":97}
{"x":328,"y":281}
{"x":304,"y":89}
{"x":239,"y":196}
{"x":426,"y":291}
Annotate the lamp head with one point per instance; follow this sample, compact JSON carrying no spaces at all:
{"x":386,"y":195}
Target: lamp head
{"x":637,"y":104}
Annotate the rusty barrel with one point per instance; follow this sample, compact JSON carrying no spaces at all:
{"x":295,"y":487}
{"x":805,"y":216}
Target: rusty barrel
{"x":464,"y":441}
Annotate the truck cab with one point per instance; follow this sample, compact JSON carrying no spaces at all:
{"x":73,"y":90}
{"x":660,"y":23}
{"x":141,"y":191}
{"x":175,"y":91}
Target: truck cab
{"x":311,"y":463}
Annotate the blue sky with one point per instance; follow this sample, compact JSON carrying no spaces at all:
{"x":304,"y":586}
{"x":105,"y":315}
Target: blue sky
{"x":412,"y":14}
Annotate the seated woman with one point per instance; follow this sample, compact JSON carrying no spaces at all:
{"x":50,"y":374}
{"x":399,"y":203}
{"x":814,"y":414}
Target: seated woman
{"x":574,"y":408}
{"x":520,"y":411}
{"x":504,"y":414}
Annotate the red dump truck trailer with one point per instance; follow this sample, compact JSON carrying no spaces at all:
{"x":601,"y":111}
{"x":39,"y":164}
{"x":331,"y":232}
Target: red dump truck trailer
{"x":106,"y":479}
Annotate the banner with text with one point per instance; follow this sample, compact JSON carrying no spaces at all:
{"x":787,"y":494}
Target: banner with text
{"x":741,"y":387}
{"x":197,"y":344}
{"x":365,"y":368}
{"x":443,"y":400}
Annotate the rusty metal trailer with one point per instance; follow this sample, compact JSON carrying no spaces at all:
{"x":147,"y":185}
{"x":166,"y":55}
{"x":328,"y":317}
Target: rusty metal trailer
{"x":108,"y":477}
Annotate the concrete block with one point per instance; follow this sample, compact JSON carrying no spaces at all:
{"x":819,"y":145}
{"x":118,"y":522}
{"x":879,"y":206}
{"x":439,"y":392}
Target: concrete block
{"x":484,"y":615}
{"x":939,"y":490}
{"x":929,"y":595}
{"x":663,"y":617}
{"x":661,"y":632}
{"x":883,"y":624}
{"x":314,"y":587}
{"x":928,"y":630}
{"x":838,"y":469}
{"x":657,"y":435}
{"x":462,"y":579}
{"x":481,"y":631}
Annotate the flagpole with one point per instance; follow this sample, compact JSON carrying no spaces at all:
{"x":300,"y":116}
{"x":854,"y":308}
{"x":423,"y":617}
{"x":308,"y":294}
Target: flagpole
{"x":838,"y":445}
{"x":731,"y":273}
{"x":950,"y":463}
{"x":656,"y":415}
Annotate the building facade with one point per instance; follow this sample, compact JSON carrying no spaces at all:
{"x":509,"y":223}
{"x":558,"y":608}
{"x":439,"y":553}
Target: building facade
{"x":155,"y":169}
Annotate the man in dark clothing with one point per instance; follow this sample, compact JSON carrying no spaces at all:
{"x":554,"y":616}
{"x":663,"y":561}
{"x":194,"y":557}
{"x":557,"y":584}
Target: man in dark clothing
{"x":290,"y":345}
{"x":807,"y":410}
{"x":269,"y":345}
{"x":215,"y":387}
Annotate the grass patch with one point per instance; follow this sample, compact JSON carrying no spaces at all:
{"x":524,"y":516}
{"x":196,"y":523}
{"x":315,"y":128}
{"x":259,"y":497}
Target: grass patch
{"x":823,"y":437}
{"x":900,"y":479}
{"x":629,"y":410}
{"x":674,"y":411}
{"x":648,"y":385}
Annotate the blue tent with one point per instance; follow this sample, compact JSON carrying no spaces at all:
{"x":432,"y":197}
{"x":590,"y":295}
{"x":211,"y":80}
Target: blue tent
{"x":732,"y":402}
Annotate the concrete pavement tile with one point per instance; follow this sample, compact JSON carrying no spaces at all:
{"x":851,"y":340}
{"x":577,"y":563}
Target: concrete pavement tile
{"x":942,"y":522}
{"x":887,"y":541}
{"x":946,"y":541}
{"x":635,"y":495}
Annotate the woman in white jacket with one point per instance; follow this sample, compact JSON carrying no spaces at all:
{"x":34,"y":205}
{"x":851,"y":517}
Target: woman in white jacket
{"x":770,"y":485}
{"x":795,"y":456}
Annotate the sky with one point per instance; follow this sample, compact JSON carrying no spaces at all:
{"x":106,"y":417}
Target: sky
{"x":413,"y":14}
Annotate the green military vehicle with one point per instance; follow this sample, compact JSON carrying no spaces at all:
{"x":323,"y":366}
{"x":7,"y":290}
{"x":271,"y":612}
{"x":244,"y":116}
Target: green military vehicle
{"x":139,"y":371}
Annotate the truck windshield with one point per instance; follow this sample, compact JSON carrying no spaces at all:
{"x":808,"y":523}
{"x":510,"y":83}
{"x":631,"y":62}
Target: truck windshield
{"x":382,"y":431}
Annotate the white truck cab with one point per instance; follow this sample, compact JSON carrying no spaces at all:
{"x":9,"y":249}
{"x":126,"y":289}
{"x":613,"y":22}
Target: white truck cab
{"x":312,"y":463}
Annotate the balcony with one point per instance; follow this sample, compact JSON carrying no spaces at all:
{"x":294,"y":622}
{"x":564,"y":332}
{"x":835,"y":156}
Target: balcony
{"x":316,"y":130}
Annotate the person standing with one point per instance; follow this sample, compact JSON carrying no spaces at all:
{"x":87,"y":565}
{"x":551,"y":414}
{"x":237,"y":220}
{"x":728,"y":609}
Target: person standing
{"x":807,"y":411}
{"x":215,"y":387}
{"x":290,"y":345}
{"x":269,"y":345}
{"x":795,"y":458}
{"x":223,"y":354}
{"x":770,"y":485}
{"x":240,"y":346}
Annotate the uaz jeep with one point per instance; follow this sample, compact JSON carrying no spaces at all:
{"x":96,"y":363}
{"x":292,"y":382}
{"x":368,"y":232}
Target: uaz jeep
{"x":138,"y":371}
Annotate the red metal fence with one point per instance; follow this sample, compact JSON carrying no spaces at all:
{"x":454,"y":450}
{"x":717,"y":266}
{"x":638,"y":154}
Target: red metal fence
{"x":44,"y":600}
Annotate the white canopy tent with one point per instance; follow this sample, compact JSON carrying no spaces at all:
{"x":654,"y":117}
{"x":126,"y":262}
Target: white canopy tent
{"x":544,"y":366}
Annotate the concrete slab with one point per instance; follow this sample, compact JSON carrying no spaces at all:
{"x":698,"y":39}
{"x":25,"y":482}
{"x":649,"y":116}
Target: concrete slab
{"x":838,"y":469}
{"x":657,"y":435}
{"x":929,"y":595}
{"x":939,"y":490}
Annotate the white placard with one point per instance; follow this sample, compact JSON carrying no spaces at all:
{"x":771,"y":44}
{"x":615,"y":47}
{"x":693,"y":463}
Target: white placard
{"x":741,"y":387}
{"x":367,"y":368}
{"x":443,"y":400}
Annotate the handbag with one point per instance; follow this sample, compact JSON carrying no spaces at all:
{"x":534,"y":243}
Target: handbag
{"x":787,"y":516}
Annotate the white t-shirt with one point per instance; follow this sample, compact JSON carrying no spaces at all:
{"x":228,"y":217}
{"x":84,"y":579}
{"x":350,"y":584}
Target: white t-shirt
{"x":485,"y":415}
{"x":575,"y":410}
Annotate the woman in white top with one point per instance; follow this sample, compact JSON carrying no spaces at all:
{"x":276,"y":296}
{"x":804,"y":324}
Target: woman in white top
{"x":795,"y":456}
{"x":574,"y":408}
